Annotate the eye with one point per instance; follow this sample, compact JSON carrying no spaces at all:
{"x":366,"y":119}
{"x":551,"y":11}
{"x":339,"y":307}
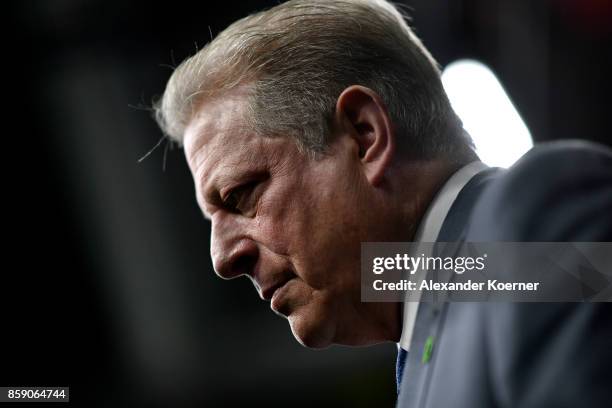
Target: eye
{"x":235,"y":199}
{"x":232,"y":199}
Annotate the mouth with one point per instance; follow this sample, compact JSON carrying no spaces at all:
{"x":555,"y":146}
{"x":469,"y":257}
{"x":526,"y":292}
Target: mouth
{"x":277,"y":304}
{"x":268,"y":291}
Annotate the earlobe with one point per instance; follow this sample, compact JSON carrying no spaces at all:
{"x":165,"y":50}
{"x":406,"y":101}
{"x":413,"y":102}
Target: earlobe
{"x":369,"y":124}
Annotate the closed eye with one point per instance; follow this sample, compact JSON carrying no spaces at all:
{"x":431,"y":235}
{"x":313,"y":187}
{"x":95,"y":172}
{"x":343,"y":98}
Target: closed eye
{"x":236,"y":199}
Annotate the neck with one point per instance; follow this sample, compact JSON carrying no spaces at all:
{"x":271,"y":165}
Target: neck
{"x":416,"y":186}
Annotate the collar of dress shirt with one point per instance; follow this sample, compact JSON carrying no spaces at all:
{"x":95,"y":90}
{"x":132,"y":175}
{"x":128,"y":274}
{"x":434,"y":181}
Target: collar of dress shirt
{"x":428,"y":231}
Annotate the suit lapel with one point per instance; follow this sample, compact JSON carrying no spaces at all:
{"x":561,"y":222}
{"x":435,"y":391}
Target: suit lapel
{"x":430,"y":318}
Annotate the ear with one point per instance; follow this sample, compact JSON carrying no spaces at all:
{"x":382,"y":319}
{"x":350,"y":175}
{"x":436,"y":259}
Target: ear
{"x":364,"y":116}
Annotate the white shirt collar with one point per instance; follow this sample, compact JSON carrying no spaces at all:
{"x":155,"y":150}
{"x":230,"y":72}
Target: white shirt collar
{"x":428,"y":231}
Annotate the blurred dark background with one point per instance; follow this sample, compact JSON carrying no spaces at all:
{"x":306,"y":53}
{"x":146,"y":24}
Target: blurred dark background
{"x":107,"y":284}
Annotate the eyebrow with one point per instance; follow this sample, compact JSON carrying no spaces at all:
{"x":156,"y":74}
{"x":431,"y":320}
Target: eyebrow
{"x":211,"y":191}
{"x":212,"y":194}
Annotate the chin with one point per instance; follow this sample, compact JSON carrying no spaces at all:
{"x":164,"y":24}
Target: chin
{"x":311,"y":332}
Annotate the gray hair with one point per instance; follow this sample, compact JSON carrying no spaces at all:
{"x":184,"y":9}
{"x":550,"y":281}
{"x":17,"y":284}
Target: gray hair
{"x":300,"y":55}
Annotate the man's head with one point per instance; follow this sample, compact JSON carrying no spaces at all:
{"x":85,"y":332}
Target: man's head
{"x":310,"y":128}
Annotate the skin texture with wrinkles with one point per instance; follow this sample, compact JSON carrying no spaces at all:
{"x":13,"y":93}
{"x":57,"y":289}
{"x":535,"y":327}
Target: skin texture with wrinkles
{"x":294,"y":224}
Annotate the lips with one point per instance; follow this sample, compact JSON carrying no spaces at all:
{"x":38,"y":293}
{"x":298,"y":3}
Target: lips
{"x":279,"y":304}
{"x":268,"y":292}
{"x":268,"y":286}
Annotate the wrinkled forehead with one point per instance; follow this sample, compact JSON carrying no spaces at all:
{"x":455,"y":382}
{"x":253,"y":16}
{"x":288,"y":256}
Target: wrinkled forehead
{"x":217,"y":131}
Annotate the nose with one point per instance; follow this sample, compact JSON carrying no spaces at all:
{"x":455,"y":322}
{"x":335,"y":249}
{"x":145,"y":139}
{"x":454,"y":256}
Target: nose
{"x":232,"y":253}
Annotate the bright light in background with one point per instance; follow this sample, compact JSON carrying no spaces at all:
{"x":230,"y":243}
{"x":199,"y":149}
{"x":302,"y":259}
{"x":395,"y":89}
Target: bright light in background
{"x":499,"y":133}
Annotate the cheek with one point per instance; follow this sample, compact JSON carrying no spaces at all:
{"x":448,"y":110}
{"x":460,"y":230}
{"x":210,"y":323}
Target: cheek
{"x":283,"y":214}
{"x":274,"y":226}
{"x":329,"y":244}
{"x":316,"y":225}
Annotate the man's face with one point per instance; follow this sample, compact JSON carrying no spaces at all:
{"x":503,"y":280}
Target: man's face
{"x":290,"y":222}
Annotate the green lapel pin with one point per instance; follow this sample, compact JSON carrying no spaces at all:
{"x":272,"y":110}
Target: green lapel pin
{"x":427,"y":350}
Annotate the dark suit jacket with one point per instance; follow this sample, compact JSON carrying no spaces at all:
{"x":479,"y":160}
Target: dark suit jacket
{"x":522,"y":354}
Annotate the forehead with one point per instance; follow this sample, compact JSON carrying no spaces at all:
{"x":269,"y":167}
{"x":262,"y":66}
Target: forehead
{"x":220,"y":148}
{"x":218,"y":125}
